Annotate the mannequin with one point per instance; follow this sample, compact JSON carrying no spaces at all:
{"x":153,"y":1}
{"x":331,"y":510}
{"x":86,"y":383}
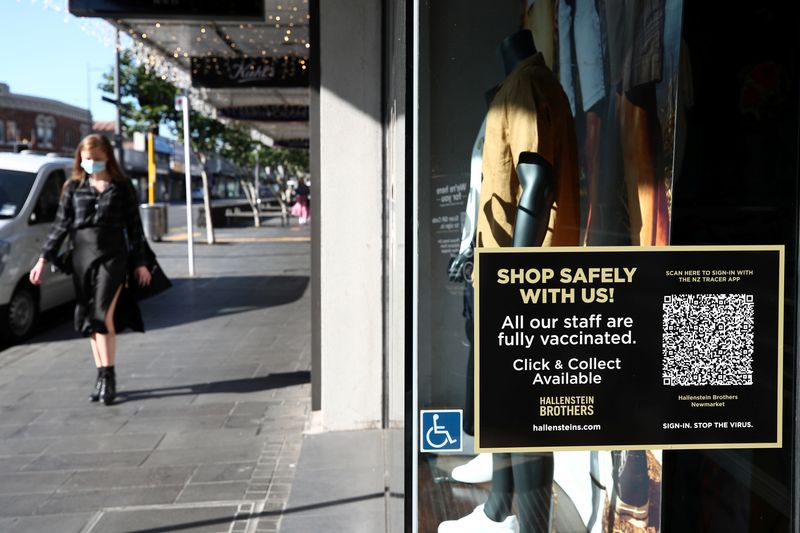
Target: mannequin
{"x":533,"y":213}
{"x":529,"y":198}
{"x":530,"y":475}
{"x":530,"y":113}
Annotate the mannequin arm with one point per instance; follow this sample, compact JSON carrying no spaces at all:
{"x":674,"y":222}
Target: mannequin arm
{"x":538,"y":194}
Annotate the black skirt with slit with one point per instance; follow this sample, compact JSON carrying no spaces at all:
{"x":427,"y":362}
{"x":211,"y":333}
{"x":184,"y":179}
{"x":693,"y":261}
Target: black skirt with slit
{"x":100,"y":268}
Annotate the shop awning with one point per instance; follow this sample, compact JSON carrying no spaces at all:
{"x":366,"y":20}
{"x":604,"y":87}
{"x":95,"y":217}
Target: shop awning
{"x":253,"y":74}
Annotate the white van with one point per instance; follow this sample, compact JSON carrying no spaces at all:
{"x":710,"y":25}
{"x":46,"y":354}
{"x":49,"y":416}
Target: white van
{"x":30,"y":188}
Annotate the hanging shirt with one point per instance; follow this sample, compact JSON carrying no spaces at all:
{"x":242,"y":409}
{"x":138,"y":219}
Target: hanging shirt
{"x":82,"y":206}
{"x":530,"y":113}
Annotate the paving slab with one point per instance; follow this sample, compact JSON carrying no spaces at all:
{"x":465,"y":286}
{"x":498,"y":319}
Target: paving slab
{"x":185,"y":520}
{"x":338,"y":484}
{"x":128,"y":477}
{"x":207,"y":427}
{"x":64,"y":523}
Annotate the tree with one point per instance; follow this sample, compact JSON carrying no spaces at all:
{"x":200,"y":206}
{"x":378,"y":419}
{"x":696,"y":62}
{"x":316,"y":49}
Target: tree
{"x":147,"y":100}
{"x":294,"y":160}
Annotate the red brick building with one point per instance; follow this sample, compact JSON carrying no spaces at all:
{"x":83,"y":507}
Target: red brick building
{"x":40,"y":124}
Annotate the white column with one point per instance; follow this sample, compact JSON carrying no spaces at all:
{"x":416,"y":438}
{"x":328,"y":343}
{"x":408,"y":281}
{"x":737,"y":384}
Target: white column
{"x":349,"y":190}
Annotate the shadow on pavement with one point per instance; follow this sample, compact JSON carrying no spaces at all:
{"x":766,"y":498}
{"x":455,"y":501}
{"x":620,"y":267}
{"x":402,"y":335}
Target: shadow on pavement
{"x":272,"y":381}
{"x":189,"y":300}
{"x":311,"y":507}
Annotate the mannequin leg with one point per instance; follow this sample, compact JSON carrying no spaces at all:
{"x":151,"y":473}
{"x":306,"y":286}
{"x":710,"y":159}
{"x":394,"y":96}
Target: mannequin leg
{"x":634,"y":488}
{"x":498,"y":506}
{"x":469,"y":407}
{"x":469,"y":403}
{"x":533,"y":483}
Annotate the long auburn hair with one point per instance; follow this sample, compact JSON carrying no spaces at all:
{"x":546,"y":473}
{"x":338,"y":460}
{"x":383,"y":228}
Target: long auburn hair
{"x":97,"y":141}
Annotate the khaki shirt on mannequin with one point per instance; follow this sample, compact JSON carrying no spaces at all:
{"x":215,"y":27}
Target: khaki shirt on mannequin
{"x":530,"y":113}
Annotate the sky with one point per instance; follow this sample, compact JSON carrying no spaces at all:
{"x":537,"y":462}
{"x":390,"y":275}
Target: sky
{"x":46,"y":53}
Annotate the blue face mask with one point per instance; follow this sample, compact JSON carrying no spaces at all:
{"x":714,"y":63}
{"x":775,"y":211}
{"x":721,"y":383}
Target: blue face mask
{"x":91,"y":166}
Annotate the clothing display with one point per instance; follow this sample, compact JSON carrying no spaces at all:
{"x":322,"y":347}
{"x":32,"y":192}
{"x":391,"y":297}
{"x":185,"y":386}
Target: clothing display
{"x":580,"y":45}
{"x":530,"y":113}
{"x":635,"y":31}
{"x":541,"y":22}
{"x":108,"y":239}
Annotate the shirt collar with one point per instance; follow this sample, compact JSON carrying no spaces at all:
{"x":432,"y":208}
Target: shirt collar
{"x":88,"y":185}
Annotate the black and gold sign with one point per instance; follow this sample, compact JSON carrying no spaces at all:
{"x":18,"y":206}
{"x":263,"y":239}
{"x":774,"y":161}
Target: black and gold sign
{"x":628,"y":348}
{"x":226,"y":72}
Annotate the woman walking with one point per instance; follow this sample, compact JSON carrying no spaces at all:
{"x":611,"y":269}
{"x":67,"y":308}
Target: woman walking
{"x":99,"y":210}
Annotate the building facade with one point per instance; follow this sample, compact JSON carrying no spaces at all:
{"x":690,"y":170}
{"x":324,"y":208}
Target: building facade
{"x":41,"y":124}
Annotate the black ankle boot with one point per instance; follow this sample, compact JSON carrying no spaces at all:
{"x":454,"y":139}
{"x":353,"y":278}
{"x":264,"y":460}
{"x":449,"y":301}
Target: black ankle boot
{"x":108,"y":386}
{"x":95,"y":394}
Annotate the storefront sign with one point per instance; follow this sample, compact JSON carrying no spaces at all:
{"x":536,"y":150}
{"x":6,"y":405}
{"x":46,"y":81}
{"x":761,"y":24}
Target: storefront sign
{"x":244,"y":10}
{"x":628,"y":348}
{"x":222,"y":72}
{"x":266,"y":113}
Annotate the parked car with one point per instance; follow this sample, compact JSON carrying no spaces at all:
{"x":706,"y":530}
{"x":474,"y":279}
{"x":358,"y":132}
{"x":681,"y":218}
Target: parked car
{"x":30,"y":189}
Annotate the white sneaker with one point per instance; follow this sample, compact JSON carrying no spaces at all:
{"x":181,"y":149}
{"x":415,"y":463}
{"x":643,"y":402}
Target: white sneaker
{"x":478,"y":522}
{"x":478,"y":470}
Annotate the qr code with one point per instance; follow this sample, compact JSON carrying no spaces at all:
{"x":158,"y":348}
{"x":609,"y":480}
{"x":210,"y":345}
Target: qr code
{"x":708,"y":339}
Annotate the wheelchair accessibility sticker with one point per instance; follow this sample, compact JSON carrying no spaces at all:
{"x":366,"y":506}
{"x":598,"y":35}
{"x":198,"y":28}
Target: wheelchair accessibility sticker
{"x":441,"y":431}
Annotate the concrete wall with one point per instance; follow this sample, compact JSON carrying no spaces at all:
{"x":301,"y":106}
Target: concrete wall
{"x":350,"y":232}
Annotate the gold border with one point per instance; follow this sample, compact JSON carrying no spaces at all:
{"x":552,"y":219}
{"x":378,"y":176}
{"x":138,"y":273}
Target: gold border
{"x":781,"y":249}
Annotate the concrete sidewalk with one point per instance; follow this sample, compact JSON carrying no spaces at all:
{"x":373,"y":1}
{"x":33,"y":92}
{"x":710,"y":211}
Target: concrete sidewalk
{"x":207,"y":430}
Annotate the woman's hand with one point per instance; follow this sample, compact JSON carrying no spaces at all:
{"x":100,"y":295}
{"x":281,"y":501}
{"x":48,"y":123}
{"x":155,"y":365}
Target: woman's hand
{"x":36,"y":272}
{"x":143,"y":276}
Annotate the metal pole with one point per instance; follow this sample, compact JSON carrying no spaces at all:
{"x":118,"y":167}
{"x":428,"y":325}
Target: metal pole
{"x":255,"y":176}
{"x":187,"y":164}
{"x":151,"y":168}
{"x":117,"y":96}
{"x":256,"y":196}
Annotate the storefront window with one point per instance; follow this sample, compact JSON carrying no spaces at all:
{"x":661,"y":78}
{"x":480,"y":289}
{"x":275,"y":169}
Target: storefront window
{"x":589,"y":125}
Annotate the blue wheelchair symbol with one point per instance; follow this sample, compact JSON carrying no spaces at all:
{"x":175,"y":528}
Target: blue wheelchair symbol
{"x":441,"y":431}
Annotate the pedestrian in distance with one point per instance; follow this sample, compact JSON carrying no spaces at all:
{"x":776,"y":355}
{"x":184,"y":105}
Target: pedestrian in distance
{"x":107,"y":254}
{"x":301,"y":208}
